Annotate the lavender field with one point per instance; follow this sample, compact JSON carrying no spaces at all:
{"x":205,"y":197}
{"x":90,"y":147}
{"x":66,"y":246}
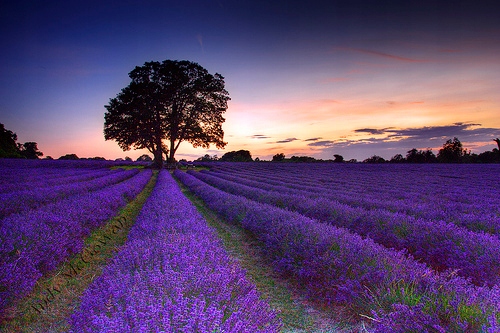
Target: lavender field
{"x":415,"y":248}
{"x":399,"y":248}
{"x":47,"y":210}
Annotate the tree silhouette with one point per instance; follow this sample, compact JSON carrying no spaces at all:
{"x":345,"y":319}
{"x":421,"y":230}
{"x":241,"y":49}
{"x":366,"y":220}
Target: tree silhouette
{"x":8,"y":147}
{"x":279,"y":157}
{"x":374,"y":159}
{"x":420,"y":156}
{"x":144,"y":158}
{"x":30,"y":150}
{"x":497,"y":140}
{"x":338,"y":158}
{"x":398,"y":158}
{"x":69,"y":157}
{"x":452,"y":152}
{"x":172,"y":100}
{"x":237,"y":156}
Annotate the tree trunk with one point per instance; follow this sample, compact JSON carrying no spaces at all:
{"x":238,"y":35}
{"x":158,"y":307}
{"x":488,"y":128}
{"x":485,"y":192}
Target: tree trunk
{"x":171,"y":155}
{"x":158,"y":154}
{"x":158,"y":159}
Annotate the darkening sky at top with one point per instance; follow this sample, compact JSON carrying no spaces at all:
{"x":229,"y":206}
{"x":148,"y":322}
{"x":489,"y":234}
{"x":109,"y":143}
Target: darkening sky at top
{"x":313,"y":78}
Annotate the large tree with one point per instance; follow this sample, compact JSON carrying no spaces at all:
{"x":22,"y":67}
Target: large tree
{"x":172,"y":101}
{"x":8,"y":146}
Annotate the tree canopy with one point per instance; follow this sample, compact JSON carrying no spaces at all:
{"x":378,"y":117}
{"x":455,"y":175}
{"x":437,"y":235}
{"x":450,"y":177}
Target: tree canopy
{"x":11,"y":149}
{"x":172,"y":100}
{"x":29,"y":150}
{"x":237,"y":156}
{"x":8,"y":147}
{"x":452,"y":151}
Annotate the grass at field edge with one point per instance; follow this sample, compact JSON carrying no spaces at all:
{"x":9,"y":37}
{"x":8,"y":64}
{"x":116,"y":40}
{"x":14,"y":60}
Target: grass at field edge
{"x":56,"y":296}
{"x":295,"y":312}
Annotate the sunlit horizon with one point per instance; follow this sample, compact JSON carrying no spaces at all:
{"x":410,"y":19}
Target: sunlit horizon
{"x":330,"y":78}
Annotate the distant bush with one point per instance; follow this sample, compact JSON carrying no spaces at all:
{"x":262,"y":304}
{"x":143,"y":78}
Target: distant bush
{"x":69,"y":157}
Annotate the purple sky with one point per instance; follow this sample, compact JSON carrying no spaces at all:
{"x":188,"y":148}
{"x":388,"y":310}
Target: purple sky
{"x":313,"y":78}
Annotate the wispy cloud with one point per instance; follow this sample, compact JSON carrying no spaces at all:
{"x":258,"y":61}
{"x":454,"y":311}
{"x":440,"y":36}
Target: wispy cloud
{"x":381,"y":54}
{"x":324,"y":143}
{"x":199,"y":38}
{"x":287,"y":140}
{"x":421,"y":137}
{"x":260,"y":136}
{"x":390,"y":141}
{"x":464,"y":130}
{"x":313,"y":139}
{"x":372,"y":130}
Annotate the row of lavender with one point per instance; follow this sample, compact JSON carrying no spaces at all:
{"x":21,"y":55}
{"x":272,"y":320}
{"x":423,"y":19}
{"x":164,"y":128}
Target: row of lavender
{"x":35,"y":241}
{"x":442,"y":245}
{"x":438,"y":192}
{"x":42,"y":193}
{"x":19,"y":174}
{"x":339,"y":267}
{"x":172,"y":275}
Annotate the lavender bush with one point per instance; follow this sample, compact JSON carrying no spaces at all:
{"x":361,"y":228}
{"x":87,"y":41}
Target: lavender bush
{"x":339,"y":267}
{"x":442,"y":245}
{"x":172,"y":275}
{"x":36,"y":196}
{"x":37,"y":241}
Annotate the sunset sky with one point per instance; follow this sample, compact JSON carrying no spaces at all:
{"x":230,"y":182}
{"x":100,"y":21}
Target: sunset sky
{"x":314,"y":78}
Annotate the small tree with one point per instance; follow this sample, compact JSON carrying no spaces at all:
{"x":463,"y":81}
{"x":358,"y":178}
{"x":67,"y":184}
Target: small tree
{"x":30,"y":150}
{"x":279,"y":157}
{"x":144,"y":158}
{"x":338,"y":158}
{"x":374,"y":159}
{"x":420,"y":156}
{"x":452,"y":152}
{"x":172,"y":100}
{"x":237,"y":156}
{"x":398,"y":158}
{"x":69,"y":157}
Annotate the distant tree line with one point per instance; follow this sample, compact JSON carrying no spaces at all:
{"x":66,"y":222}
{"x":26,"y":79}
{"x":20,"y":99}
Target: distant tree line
{"x":232,"y":156}
{"x":10,"y":148}
{"x":451,"y":152}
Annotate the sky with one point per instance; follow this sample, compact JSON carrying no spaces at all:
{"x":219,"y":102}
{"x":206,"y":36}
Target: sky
{"x":306,"y":78}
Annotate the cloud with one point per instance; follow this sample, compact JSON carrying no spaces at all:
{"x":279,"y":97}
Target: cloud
{"x":324,"y":143}
{"x":199,"y":38}
{"x":287,"y":140}
{"x":260,"y":136}
{"x":381,"y":54}
{"x":391,"y":141}
{"x":313,"y":139}
{"x":464,"y":130}
{"x":372,"y":130}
